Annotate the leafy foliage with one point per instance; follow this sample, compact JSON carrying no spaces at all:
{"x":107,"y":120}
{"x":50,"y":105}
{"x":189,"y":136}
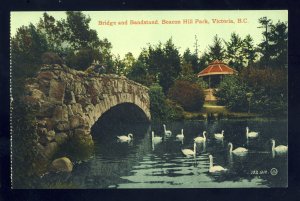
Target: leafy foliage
{"x":189,"y":95}
{"x":267,"y":86}
{"x":163,"y":109}
{"x":216,"y":50}
{"x":160,"y":63}
{"x":192,"y":59}
{"x":232,"y":93}
{"x":158,"y":107}
{"x":26,"y":48}
{"x":24,"y":145}
{"x":273,"y":49}
{"x":174,"y":110}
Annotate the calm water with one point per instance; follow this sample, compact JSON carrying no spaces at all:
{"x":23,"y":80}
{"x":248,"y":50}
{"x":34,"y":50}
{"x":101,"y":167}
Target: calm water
{"x":141,"y":164}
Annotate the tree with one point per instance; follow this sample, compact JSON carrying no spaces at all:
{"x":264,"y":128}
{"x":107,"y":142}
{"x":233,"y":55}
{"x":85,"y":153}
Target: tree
{"x":55,"y":33}
{"x":158,"y":108}
{"x":264,"y":46}
{"x":73,"y":38}
{"x":27,"y":47}
{"x":119,"y":65}
{"x":274,"y":48}
{"x":155,"y":59}
{"x":139,"y":73}
{"x":234,"y":54}
{"x":162,"y":62}
{"x":249,"y":51}
{"x":278,"y":44}
{"x":189,"y":95}
{"x":216,"y":51}
{"x":81,"y":59}
{"x":170,"y":68}
{"x":232,"y":93}
{"x":128,"y":62}
{"x":79,"y":34}
{"x":191,"y":59}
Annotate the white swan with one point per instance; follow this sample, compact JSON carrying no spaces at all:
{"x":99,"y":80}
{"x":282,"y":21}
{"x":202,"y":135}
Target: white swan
{"x":216,"y":168}
{"x":168,"y":133}
{"x":280,"y":149}
{"x":251,"y":134}
{"x":156,"y":139}
{"x":124,"y":138}
{"x":189,"y":152}
{"x":219,"y":136}
{"x":200,"y":139}
{"x":238,"y":151}
{"x":180,"y":136}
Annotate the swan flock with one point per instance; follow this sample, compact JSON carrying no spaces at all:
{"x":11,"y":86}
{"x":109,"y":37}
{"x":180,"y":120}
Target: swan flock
{"x":239,"y":151}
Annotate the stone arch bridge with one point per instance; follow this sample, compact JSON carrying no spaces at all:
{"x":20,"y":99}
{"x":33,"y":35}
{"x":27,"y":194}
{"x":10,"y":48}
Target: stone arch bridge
{"x":67,"y":103}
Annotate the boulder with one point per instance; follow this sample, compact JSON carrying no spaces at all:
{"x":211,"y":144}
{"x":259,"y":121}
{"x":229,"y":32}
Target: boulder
{"x":77,"y":109}
{"x":62,"y":126}
{"x":42,"y":131}
{"x":57,"y":90}
{"x":47,"y":75}
{"x":60,"y":138}
{"x":41,"y":123}
{"x":51,"y":135}
{"x":69,"y":96}
{"x":60,"y":113}
{"x":37,"y":94}
{"x":81,"y":132}
{"x":50,"y":149}
{"x":70,"y":112}
{"x":46,"y":109}
{"x":76,"y":121}
{"x":62,"y":164}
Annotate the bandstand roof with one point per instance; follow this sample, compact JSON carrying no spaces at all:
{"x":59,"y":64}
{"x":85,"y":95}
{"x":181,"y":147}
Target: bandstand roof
{"x":217,"y":68}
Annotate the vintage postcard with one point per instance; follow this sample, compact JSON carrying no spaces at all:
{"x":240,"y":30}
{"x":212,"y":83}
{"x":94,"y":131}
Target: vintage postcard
{"x":149,"y":99}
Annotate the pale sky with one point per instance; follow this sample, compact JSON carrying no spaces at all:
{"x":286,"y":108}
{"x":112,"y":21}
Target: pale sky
{"x":132,"y":38}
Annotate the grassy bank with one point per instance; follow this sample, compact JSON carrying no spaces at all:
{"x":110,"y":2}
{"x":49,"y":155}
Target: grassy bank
{"x":213,"y":111}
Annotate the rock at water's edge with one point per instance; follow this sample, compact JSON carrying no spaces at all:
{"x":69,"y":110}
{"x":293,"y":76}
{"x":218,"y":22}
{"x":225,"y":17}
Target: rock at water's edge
{"x":62,"y":165}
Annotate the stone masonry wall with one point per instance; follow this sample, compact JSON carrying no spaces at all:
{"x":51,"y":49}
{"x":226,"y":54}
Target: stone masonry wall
{"x":68,"y":102}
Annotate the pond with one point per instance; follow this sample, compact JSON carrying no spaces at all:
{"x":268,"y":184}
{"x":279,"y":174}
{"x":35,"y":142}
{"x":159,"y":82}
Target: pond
{"x":142,"y":164}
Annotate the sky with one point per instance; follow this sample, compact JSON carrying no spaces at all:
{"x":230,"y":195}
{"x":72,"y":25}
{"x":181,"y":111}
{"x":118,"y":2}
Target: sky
{"x":133,"y":37}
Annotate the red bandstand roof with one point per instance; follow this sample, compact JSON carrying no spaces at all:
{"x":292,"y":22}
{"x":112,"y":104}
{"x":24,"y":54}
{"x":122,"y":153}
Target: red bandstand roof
{"x":217,"y":68}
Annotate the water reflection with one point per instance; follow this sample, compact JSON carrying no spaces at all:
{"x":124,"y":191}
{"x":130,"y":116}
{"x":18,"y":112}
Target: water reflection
{"x":145,"y":163}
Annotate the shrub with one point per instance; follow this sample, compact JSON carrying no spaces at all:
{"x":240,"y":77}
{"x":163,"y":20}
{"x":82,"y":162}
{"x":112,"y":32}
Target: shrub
{"x":158,"y":108}
{"x":81,"y":59}
{"x":51,"y":58}
{"x":232,"y":93}
{"x":24,"y":138}
{"x":189,"y":95}
{"x":269,"y":87}
{"x":174,"y":110}
{"x":163,"y":109}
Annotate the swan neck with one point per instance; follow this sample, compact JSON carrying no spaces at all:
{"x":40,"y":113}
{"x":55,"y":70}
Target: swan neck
{"x":204,"y":135}
{"x":210,"y":161}
{"x":273,"y":145}
{"x":230,"y":148}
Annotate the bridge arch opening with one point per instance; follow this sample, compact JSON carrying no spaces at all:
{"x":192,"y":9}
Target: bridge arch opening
{"x":121,"y":119}
{"x":118,"y":120}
